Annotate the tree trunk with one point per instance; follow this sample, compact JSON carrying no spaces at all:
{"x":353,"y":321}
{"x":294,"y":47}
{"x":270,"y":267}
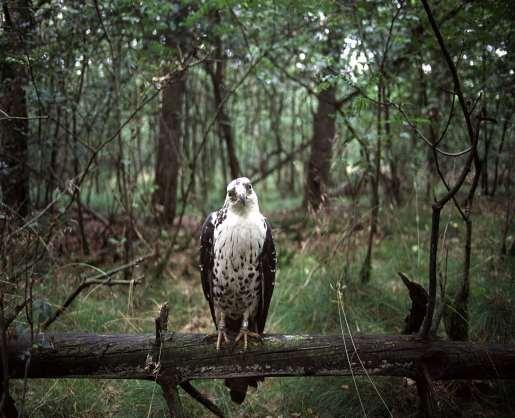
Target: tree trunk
{"x":457,"y":320}
{"x":194,"y":356}
{"x":393,"y":181}
{"x":366,"y":268}
{"x":324,"y":130}
{"x":54,"y":149}
{"x":224,"y":122}
{"x":216,"y":70}
{"x":14,"y":127}
{"x":459,"y":326}
{"x":505,"y":127}
{"x":168,"y":147}
{"x":484,"y":169}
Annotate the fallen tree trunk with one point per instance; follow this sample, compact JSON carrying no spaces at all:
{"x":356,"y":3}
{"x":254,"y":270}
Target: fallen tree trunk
{"x":182,"y":357}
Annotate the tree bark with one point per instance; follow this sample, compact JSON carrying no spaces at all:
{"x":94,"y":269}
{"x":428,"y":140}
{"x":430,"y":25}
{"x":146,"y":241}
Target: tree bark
{"x":193,"y":356}
{"x":484,"y":162}
{"x":168,"y":147}
{"x":14,"y":126}
{"x":366,"y":268}
{"x":457,"y":318}
{"x":472,"y":157}
{"x":505,"y":127}
{"x":217,"y":73}
{"x":393,"y":181}
{"x":324,"y":130}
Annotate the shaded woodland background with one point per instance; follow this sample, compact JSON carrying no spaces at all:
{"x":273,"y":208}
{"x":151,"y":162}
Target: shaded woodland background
{"x":122,"y":122}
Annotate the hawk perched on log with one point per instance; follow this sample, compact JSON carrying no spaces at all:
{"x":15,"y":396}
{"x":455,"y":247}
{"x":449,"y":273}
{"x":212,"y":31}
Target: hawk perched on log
{"x":238,"y":263}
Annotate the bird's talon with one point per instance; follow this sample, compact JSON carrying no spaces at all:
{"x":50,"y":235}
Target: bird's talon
{"x":221,"y":334}
{"x":245,"y":334}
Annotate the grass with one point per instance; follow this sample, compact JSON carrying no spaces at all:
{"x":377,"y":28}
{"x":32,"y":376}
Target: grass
{"x":314,"y":261}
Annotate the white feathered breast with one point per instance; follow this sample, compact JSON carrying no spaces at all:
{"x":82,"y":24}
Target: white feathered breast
{"x":238,"y":242}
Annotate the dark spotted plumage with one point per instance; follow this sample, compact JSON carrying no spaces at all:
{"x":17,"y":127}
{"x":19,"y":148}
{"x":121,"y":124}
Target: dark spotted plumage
{"x":238,"y":264}
{"x":220,"y":216}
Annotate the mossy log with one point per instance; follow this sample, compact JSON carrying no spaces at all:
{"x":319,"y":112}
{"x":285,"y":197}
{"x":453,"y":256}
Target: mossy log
{"x":183,"y":357}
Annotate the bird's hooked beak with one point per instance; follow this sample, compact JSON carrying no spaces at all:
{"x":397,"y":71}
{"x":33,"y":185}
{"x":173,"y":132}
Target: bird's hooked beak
{"x":241,"y":192}
{"x":242,"y":197}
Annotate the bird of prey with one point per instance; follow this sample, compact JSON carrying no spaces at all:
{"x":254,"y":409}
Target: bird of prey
{"x":238,"y":264}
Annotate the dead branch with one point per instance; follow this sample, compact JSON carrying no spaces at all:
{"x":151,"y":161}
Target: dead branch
{"x":169,"y":386}
{"x":199,"y":397}
{"x":104,"y":279}
{"x":193,"y":356}
{"x":84,"y":285}
{"x":472,"y":157}
{"x":161,"y":322}
{"x":418,"y":296}
{"x":168,"y":383}
{"x":171,"y":395}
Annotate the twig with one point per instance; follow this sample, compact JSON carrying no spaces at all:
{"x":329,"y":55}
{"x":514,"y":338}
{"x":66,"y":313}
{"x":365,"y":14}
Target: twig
{"x":338,"y":104}
{"x":199,"y":397}
{"x":438,"y":205}
{"x":183,"y":67}
{"x":123,"y":267}
{"x":17,"y":309}
{"x":171,"y":395}
{"x":5,"y":116}
{"x":4,"y":385}
{"x":168,"y":386}
{"x":94,"y":214}
{"x":389,"y":37}
{"x":33,"y":220}
{"x":87,"y":283}
{"x":98,"y":279}
{"x":451,"y":114}
{"x":452,"y":68}
{"x":444,"y":181}
{"x":106,"y":34}
{"x":280,"y":163}
{"x":161,"y":322}
{"x":198,"y":153}
{"x":427,"y":141}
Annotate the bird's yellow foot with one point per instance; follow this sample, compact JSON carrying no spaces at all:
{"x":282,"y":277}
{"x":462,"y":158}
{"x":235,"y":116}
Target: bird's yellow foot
{"x":245,"y":334}
{"x":221,"y":335}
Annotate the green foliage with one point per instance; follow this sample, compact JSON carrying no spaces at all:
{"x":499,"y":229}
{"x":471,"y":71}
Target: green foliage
{"x":96,"y":79}
{"x":305,"y":301}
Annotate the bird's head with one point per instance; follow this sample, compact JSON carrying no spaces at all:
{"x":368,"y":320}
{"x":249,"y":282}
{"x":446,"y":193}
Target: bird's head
{"x":241,"y":197}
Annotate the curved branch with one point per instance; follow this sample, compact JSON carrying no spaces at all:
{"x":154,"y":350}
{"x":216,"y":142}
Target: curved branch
{"x":452,"y":69}
{"x":103,"y":278}
{"x":427,"y":141}
{"x":472,"y":157}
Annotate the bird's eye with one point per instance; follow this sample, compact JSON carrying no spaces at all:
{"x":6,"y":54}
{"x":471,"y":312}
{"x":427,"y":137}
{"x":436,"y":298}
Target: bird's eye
{"x":231,"y":193}
{"x":249,"y":187}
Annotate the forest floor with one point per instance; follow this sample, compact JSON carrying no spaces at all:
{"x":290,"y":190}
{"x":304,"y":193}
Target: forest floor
{"x":318,"y":257}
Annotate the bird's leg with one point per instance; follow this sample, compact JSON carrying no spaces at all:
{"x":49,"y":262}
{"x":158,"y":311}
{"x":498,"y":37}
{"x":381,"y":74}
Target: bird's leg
{"x":245,"y":333}
{"x":221,"y":332}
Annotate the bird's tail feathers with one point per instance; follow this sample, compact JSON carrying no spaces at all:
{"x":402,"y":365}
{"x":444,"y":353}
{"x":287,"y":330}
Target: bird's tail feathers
{"x":238,"y":387}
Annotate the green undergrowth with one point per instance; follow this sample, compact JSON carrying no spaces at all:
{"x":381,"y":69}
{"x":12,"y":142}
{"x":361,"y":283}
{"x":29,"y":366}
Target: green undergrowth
{"x":316,"y":292}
